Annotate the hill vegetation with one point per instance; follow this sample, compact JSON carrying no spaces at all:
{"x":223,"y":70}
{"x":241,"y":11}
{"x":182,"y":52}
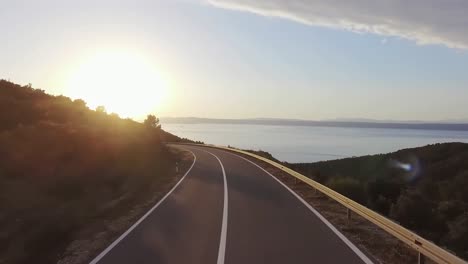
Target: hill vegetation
{"x":63,"y":165}
{"x":424,"y":189}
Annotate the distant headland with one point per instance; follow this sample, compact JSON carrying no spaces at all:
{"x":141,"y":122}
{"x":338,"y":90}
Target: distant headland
{"x":359,"y":123}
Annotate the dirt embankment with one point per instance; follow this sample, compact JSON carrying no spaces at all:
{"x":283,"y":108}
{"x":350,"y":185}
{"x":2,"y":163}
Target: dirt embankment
{"x":94,"y":238}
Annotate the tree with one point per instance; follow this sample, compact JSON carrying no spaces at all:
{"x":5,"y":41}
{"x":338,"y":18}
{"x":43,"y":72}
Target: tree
{"x":80,"y":103}
{"x":415,"y":211}
{"x":458,"y":235}
{"x":349,"y":187}
{"x":152,"y":121}
{"x":101,"y":109}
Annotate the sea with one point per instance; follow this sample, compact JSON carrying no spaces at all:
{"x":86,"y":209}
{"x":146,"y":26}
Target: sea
{"x":299,"y":144}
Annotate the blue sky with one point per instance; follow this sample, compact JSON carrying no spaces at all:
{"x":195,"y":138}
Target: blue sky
{"x":241,"y":59}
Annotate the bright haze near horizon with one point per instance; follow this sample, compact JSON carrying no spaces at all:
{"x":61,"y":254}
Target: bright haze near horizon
{"x":301,"y":59}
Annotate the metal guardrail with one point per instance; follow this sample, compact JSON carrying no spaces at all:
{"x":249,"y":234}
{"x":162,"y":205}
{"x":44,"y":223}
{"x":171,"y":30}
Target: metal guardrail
{"x":424,"y":247}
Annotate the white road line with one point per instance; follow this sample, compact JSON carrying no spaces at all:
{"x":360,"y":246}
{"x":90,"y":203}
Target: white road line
{"x":356,"y":250}
{"x":109,"y":248}
{"x":222,"y":241}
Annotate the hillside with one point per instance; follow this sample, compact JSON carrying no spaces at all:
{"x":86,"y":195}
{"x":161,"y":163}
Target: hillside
{"x":64,"y":166}
{"x":425,"y":189}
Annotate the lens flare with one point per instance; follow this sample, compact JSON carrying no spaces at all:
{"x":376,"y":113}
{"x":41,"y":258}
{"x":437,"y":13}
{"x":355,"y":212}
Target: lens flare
{"x":411,"y":167}
{"x":404,"y":166}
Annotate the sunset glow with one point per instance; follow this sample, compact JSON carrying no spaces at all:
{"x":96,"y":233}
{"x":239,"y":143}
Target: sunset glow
{"x":123,"y":83}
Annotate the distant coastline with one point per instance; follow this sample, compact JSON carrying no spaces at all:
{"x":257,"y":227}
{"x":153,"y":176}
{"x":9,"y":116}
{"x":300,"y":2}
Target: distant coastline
{"x":296,"y":122}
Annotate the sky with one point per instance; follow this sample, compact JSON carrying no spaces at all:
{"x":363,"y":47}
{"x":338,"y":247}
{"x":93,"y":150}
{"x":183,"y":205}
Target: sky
{"x":301,"y":59}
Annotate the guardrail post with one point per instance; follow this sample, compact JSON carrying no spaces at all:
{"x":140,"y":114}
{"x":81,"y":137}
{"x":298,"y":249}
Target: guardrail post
{"x":421,"y":258}
{"x":177,"y":167}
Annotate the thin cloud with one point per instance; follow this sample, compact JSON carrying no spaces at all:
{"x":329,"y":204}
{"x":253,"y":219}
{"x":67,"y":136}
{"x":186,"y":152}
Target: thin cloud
{"x":442,"y":22}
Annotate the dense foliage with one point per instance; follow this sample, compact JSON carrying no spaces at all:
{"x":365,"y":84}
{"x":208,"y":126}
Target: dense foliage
{"x":425,"y":189}
{"x":63,"y":166}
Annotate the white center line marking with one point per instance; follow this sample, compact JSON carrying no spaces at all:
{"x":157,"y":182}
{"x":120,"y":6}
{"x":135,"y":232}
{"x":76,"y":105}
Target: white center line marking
{"x":222,"y":241}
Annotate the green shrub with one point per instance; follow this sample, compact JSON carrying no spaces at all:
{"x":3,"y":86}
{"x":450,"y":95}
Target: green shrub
{"x":348,"y":187}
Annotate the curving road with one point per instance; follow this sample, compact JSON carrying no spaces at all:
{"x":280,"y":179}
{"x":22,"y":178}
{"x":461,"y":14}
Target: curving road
{"x":227,"y":209}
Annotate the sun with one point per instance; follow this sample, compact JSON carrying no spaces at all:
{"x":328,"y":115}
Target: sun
{"x":124,"y":83}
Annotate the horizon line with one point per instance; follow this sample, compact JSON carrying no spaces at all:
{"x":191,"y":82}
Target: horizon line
{"x":458,"y":121}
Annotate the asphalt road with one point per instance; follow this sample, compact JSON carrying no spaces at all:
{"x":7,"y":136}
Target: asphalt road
{"x":228,"y":210}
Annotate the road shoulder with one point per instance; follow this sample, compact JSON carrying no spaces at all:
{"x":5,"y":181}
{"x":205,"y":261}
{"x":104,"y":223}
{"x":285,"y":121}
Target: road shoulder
{"x":94,"y":238}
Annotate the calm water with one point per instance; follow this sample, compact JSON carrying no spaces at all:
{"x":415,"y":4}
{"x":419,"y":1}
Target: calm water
{"x":308,"y":144}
